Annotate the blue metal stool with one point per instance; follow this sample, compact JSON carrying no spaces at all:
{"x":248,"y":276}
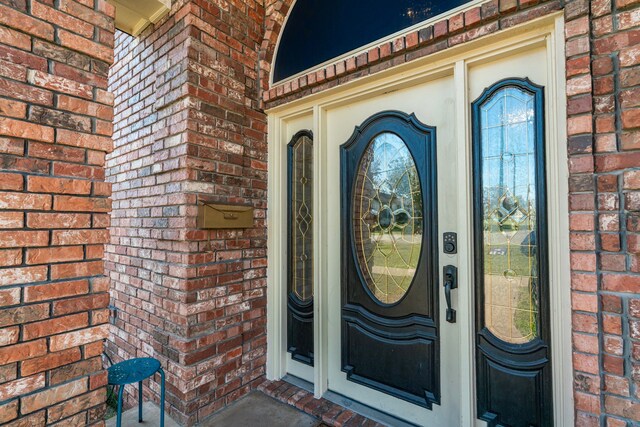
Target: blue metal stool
{"x":132,"y":371}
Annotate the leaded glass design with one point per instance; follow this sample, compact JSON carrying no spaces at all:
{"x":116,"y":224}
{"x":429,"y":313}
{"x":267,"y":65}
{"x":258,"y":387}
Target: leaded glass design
{"x":301,"y":232}
{"x":387,"y":217}
{"x":508,"y":164}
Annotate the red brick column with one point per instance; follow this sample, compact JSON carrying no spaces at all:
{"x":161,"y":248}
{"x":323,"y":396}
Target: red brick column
{"x":55,"y":129}
{"x":582,"y":194}
{"x":188,"y":129}
{"x":615,"y":58}
{"x":603,"y":74}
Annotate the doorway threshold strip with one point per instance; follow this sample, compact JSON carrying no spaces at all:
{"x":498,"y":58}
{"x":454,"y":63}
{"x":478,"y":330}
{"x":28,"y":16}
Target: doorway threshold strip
{"x":330,"y":413}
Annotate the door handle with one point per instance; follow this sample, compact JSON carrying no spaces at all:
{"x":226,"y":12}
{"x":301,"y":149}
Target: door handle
{"x":450,"y":282}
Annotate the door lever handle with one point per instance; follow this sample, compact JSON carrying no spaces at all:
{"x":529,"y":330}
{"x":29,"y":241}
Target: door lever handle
{"x":450,"y":282}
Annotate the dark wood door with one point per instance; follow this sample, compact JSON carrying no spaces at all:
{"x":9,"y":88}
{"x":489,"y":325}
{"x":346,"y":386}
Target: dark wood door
{"x":389,"y":259}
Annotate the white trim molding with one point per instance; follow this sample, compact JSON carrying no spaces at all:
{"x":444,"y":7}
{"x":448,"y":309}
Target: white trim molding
{"x":133,"y":16}
{"x":544,"y":33}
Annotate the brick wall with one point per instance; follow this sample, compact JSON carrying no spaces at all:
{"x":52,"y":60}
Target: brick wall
{"x":603,"y":74}
{"x":188,"y":129}
{"x":55,"y":128}
{"x":146,"y":255}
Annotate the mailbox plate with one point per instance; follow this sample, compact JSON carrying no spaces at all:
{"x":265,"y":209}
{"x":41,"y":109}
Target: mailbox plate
{"x":212,"y":216}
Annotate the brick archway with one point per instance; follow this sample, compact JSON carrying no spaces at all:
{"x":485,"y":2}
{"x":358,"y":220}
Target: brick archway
{"x":276,"y":12}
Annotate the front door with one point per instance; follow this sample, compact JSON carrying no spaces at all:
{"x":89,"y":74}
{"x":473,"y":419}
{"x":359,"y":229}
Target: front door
{"x":418,"y":239}
{"x":390,"y":347}
{"x":389,"y":271}
{"x":399,"y":211}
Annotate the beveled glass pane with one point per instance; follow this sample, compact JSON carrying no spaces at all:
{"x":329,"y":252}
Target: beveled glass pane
{"x":387,"y":217}
{"x":509,"y":215}
{"x":302,"y":219}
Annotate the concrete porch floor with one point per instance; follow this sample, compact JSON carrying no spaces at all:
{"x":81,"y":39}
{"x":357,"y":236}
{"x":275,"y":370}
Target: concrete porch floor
{"x":255,"y":409}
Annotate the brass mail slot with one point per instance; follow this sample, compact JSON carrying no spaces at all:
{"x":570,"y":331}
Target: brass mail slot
{"x":224,"y":216}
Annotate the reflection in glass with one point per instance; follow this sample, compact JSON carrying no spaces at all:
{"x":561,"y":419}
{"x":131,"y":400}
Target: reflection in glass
{"x":301,"y":260}
{"x":387,"y":217}
{"x":509,"y":215}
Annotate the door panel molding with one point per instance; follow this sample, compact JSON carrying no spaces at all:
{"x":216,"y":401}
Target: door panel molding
{"x":401,"y":335}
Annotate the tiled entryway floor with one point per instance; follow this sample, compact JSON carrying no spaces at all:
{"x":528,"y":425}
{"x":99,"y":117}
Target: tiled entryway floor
{"x":273,"y":404}
{"x":255,"y":409}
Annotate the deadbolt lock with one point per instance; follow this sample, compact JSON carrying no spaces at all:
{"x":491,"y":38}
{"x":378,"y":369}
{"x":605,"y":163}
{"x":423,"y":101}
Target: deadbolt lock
{"x":450,"y":243}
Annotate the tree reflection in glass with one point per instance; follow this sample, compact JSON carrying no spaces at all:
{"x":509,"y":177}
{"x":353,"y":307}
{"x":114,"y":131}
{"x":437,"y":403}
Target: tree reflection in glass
{"x":387,"y":217}
{"x":509,"y":215}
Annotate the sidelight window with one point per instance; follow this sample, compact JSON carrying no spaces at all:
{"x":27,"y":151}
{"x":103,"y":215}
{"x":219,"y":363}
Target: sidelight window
{"x":510,"y":181}
{"x":300,"y":253}
{"x":512,"y":348}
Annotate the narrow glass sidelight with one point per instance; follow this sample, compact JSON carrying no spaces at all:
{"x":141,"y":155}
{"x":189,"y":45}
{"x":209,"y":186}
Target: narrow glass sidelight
{"x":512,"y":304}
{"x":509,"y":217}
{"x":301,"y":256}
{"x":300,"y":248}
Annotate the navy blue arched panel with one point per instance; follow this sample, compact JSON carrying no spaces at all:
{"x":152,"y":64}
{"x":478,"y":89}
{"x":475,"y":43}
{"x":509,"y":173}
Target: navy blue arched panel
{"x":318,"y":30}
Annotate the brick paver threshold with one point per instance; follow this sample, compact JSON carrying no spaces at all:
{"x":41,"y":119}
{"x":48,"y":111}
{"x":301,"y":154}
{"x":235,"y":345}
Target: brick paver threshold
{"x":331,"y":414}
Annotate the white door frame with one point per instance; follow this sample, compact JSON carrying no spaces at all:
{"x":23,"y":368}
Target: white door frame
{"x":547,"y":31}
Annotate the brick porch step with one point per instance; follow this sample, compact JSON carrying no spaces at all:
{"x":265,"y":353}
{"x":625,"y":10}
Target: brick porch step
{"x":332,"y":414}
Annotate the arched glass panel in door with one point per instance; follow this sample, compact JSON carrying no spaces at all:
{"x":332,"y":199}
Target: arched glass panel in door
{"x":387,"y":217}
{"x":512,"y":320}
{"x":300,"y":248}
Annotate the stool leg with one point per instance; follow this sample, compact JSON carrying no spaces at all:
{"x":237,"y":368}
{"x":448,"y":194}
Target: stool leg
{"x":140,"y":402}
{"x":161,"y":398}
{"x":120,"y":393}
